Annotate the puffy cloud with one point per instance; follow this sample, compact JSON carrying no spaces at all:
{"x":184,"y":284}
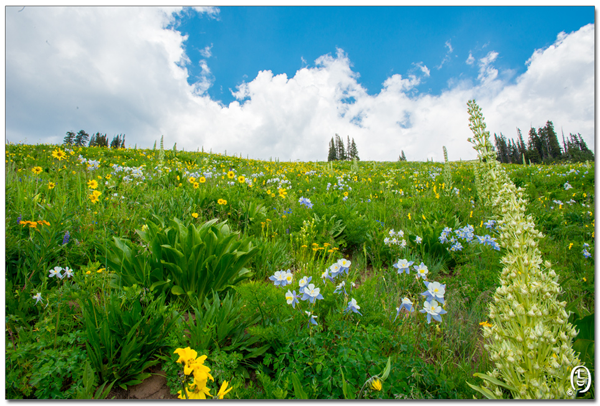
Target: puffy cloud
{"x":87,"y":76}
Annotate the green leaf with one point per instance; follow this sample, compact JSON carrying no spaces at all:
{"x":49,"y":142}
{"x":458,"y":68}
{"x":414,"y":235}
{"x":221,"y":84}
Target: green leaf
{"x":495,"y":381}
{"x":177,"y":290}
{"x":386,"y":371}
{"x":346,"y":388}
{"x":586,"y":327}
{"x":484,"y":391}
{"x":299,"y":393}
{"x":586,"y":349}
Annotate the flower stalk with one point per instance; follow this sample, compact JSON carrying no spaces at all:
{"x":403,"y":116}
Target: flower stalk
{"x":529,"y":338}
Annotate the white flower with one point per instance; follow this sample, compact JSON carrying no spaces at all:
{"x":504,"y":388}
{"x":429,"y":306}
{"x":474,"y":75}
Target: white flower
{"x":37,"y":297}
{"x":56,"y":272}
{"x":68,"y":272}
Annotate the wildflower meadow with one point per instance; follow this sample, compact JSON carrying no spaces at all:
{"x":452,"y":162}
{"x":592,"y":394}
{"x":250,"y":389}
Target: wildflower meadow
{"x":236,"y":278}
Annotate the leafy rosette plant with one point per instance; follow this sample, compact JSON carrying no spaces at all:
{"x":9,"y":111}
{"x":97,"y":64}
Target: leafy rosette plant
{"x":187,"y":262}
{"x":529,"y":338}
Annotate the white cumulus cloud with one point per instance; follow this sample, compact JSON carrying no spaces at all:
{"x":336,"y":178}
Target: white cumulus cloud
{"x":123,"y":70}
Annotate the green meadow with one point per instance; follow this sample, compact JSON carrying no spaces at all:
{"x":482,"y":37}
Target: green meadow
{"x":315,"y":280}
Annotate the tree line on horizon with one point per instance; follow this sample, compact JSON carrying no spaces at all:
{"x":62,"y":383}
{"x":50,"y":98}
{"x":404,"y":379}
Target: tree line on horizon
{"x":81,"y":139}
{"x":337,"y":151}
{"x":542,"y":147}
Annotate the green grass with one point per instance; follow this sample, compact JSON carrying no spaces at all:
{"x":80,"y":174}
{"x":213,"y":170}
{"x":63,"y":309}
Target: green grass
{"x":353,"y":211}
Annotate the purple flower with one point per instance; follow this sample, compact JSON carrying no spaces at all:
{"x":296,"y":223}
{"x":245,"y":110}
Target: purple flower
{"x":19,"y":219}
{"x":66,"y":238}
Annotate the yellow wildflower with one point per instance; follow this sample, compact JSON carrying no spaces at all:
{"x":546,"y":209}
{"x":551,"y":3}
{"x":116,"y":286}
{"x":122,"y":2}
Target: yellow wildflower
{"x":223,"y":391}
{"x":376,"y":385}
{"x":59,"y":154}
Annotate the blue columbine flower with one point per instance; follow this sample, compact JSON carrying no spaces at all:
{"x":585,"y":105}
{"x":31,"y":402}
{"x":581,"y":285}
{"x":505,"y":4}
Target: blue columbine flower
{"x":66,"y":238}
{"x":586,"y":253}
{"x":325,"y":276}
{"x":279,"y":278}
{"x":335,"y":270}
{"x":291,"y":298}
{"x":406,"y":304}
{"x":422,"y":270}
{"x":306,"y":202}
{"x":435,"y":291}
{"x":344,"y":265}
{"x":304,"y":283}
{"x":340,"y":287}
{"x":403,"y":265}
{"x":311,"y":318}
{"x":432,"y":309}
{"x":353,"y":306}
{"x":311,"y":293}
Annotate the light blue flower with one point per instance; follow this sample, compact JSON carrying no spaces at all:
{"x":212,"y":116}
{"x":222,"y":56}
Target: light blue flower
{"x":353,"y":306}
{"x":304,"y":282}
{"x":406,"y":304}
{"x":311,"y":293}
{"x":435,"y":291}
{"x":433,"y":309}
{"x":344,"y":265}
{"x":418,"y":240}
{"x":325,"y":276}
{"x":403,"y":265}
{"x":586,"y":253}
{"x":490,"y":224}
{"x":311,"y":318}
{"x":456,"y":247}
{"x":422,"y":270}
{"x":335,"y":270}
{"x":340,"y":287}
{"x":279,"y":278}
{"x":306,"y":202}
{"x":291,"y":298}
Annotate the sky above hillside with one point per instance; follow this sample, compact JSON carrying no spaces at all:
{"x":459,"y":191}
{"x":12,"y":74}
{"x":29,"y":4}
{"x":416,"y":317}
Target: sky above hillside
{"x":281,"y":81}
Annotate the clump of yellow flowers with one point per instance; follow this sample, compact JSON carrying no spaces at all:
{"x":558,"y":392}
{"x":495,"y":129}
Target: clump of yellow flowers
{"x":193,"y":366}
{"x":529,"y":338}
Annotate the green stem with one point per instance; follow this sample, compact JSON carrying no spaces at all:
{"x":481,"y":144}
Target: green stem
{"x":56,"y":328}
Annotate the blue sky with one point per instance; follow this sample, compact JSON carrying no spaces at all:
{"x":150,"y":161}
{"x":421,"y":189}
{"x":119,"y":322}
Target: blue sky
{"x":379,"y":41}
{"x":280,"y":82}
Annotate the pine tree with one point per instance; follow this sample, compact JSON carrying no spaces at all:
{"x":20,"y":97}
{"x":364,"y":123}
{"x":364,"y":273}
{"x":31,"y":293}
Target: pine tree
{"x":331,"y":156}
{"x":521,"y":144}
{"x":554,"y":150}
{"x":354,"y":150}
{"x":118,"y":142}
{"x":339,"y":147}
{"x":81,"y":138}
{"x":534,"y":147}
{"x":69,"y":138}
{"x":402,"y":156}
